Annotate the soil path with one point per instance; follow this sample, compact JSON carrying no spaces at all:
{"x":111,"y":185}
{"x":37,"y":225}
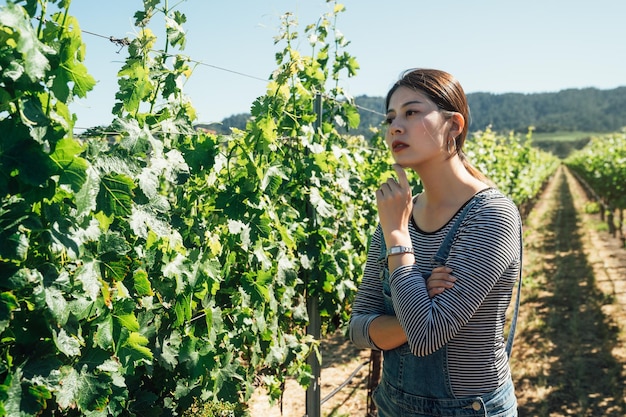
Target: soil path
{"x":570,"y":350}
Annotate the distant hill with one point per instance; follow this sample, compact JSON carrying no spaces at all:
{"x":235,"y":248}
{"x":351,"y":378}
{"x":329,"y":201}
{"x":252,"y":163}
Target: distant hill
{"x":587,"y":109}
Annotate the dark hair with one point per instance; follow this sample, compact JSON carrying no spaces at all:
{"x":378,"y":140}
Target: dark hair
{"x":447,"y":94}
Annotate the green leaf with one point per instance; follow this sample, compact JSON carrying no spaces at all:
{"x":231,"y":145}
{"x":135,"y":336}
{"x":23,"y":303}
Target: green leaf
{"x":72,"y":168}
{"x":104,"y":332}
{"x":116,"y":195}
{"x":353,"y":117}
{"x":27,"y":44}
{"x":142,"y":283}
{"x":57,"y":305}
{"x":175,"y":32}
{"x":257,"y":284}
{"x":226,"y":372}
{"x":31,"y":112}
{"x":135,"y":85}
{"x":353,"y":66}
{"x":15,"y":246}
{"x":272,"y":179}
{"x":114,"y":243}
{"x":86,"y":197}
{"x":82,"y":389}
{"x":267,"y":130}
{"x":171,"y":349}
{"x":322,"y":207}
{"x":8,"y":303}
{"x":82,"y":307}
{"x":13,"y":388}
{"x":83,"y":81}
{"x":88,"y":275}
{"x":67,"y":344}
{"x":128,"y":321}
{"x":39,"y":395}
{"x":182,"y":308}
{"x":70,"y":70}
{"x":138,"y":342}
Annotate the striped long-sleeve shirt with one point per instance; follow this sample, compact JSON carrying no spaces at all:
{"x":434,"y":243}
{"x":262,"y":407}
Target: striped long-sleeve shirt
{"x":470,"y":317}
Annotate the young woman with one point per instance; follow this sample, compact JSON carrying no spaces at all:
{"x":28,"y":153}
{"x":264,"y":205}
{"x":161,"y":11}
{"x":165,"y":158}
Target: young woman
{"x":440,"y":326}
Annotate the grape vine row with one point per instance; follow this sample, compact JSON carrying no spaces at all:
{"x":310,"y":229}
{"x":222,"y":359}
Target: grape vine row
{"x":601,"y":165}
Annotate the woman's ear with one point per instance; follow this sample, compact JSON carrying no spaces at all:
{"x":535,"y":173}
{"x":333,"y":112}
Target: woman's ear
{"x":458,"y":123}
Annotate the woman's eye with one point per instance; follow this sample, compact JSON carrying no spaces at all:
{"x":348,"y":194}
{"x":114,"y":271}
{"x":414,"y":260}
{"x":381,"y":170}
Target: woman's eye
{"x":411,"y":112}
{"x":388,"y":121}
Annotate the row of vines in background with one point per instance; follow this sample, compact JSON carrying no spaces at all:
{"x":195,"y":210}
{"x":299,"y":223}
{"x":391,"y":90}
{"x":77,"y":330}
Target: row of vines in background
{"x":162,"y":266}
{"x":513,"y":164}
{"x":601,"y":166}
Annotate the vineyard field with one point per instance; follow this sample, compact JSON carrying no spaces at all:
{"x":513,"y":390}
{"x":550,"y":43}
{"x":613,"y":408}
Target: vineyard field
{"x":151,"y":268}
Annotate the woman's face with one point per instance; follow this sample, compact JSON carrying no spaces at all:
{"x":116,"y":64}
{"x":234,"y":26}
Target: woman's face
{"x":416,"y":129}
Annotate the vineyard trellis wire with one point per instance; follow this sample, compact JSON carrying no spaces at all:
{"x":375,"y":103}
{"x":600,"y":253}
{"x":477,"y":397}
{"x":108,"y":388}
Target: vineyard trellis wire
{"x":124,"y":42}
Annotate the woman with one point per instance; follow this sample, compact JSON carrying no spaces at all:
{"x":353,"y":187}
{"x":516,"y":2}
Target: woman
{"x":440,"y":327}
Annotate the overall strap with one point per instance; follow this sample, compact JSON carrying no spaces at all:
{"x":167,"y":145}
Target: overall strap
{"x":442,"y":254}
{"x":444,"y":249}
{"x":509,"y":340}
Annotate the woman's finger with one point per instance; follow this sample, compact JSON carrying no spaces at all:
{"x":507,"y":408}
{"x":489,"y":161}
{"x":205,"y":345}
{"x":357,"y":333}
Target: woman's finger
{"x":443,"y":282}
{"x":435,"y":291}
{"x":440,"y":278}
{"x":403,"y":181}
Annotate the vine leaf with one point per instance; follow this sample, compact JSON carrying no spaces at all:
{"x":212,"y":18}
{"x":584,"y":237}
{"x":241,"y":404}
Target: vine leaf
{"x":83,"y":389}
{"x":66,"y":343}
{"x":135,"y":85}
{"x":175,"y":31}
{"x":136,"y":343}
{"x":32,"y":113}
{"x":34,"y":60}
{"x":257,"y":284}
{"x":73,"y":169}
{"x":142,"y":283}
{"x":129,"y":321}
{"x":71,"y":71}
{"x":8,"y":303}
{"x":116,"y":195}
{"x":353,"y":117}
{"x":225,"y":373}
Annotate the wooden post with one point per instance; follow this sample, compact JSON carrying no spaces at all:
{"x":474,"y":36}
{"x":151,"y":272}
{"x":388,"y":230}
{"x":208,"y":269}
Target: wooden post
{"x":373,"y":380}
{"x":313,"y":392}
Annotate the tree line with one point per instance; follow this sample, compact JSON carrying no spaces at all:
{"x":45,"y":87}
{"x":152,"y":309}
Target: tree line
{"x":586,"y":110}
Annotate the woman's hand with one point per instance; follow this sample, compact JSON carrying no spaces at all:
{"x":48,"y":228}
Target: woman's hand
{"x":439,"y":280}
{"x":393,"y":199}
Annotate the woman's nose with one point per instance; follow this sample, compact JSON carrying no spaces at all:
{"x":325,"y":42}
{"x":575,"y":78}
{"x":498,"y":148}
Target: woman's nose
{"x":395,"y":127}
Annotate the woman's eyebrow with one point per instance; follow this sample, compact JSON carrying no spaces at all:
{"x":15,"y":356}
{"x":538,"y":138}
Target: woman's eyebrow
{"x":408,"y":103}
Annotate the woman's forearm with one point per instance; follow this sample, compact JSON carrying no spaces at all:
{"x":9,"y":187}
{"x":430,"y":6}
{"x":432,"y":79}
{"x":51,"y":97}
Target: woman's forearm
{"x":386,"y":332}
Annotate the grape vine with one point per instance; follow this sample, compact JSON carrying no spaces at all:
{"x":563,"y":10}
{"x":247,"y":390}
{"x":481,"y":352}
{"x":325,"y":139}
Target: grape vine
{"x":601,"y":165}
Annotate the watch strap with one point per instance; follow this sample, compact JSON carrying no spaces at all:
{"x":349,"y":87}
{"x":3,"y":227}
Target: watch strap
{"x":399,"y":250}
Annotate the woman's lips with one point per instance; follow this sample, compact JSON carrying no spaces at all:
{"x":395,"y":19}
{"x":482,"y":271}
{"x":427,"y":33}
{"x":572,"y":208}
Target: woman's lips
{"x":397,"y":145}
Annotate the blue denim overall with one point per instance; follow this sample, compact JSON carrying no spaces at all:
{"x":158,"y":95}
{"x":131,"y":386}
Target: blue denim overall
{"x":413,"y":386}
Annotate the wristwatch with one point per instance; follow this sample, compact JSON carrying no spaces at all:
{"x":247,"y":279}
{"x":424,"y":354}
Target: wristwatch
{"x":398,"y":250}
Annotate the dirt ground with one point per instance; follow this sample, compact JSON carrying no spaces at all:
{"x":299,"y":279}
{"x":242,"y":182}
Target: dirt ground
{"x":569,"y":357}
{"x":570,"y":353}
{"x":340,"y":360}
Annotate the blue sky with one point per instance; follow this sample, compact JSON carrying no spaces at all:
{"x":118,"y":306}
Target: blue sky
{"x":489,"y":45}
